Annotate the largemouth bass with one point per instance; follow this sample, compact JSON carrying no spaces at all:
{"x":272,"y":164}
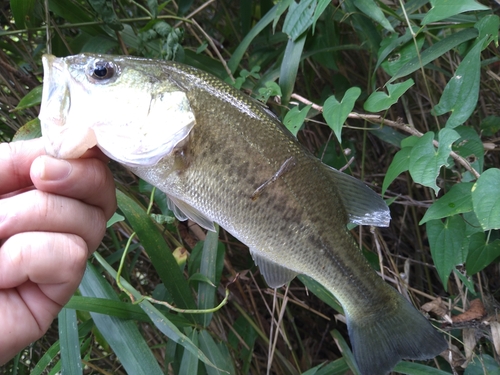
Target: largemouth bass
{"x":222,"y":157}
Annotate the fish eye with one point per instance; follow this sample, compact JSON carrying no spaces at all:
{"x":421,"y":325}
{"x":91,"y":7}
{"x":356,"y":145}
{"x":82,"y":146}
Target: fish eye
{"x":102,"y":70}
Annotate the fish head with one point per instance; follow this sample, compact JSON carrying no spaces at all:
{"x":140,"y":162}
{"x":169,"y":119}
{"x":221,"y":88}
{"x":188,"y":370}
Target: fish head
{"x":128,"y":107}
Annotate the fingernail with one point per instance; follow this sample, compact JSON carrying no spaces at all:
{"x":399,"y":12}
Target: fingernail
{"x":50,"y":169}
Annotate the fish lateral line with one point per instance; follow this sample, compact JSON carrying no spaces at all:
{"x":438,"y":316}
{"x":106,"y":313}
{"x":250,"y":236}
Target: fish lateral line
{"x":287,"y":165}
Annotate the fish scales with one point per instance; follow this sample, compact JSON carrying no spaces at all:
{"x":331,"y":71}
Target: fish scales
{"x":297,"y":221}
{"x":288,"y":215}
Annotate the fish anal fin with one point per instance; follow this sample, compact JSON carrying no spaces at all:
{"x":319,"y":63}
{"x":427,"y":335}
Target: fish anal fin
{"x":274,"y":274}
{"x":362,"y":204}
{"x":383,"y":338}
{"x":184,"y":211}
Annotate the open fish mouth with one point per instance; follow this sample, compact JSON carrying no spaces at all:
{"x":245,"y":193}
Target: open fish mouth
{"x":56,"y":100}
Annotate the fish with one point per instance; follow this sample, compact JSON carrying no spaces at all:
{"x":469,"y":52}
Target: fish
{"x":222,"y":157}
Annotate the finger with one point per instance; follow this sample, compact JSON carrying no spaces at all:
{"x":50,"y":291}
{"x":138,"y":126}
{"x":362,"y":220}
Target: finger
{"x":39,"y":211}
{"x":39,"y":272}
{"x":15,"y":162}
{"x":88,"y":180}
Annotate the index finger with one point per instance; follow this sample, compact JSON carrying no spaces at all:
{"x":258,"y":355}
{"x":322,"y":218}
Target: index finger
{"x":15,"y":163}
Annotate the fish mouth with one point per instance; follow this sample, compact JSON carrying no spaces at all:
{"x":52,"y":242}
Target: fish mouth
{"x":55,"y":92}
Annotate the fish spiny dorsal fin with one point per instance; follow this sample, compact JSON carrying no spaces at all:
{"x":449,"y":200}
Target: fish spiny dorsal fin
{"x":274,"y":274}
{"x":184,"y":211}
{"x":362,"y":204}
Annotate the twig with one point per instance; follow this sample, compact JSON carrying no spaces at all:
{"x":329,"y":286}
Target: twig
{"x":393,"y":124}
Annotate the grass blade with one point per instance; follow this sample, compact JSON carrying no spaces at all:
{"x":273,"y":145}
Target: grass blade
{"x":69,"y":343}
{"x":157,"y":249}
{"x":122,"y":335}
{"x":206,"y":292}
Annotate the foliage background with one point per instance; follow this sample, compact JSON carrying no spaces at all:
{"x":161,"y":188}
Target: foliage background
{"x":403,"y":93}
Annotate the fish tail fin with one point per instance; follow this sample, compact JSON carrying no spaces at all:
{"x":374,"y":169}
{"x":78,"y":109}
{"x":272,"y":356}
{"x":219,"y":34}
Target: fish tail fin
{"x":383,"y":338}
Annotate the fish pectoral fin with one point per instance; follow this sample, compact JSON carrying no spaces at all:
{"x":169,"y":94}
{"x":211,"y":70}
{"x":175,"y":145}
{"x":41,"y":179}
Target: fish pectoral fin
{"x":275,"y":275}
{"x":362,"y":204}
{"x":184,"y":211}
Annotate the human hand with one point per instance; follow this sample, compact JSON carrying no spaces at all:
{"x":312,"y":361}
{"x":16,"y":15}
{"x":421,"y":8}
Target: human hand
{"x":53,"y":215}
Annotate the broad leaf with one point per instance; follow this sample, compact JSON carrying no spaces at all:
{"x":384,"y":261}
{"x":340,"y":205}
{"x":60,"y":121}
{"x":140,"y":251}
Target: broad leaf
{"x":372,"y":10}
{"x":336,"y":113}
{"x":400,"y":163}
{"x":448,"y":245}
{"x":295,"y":118}
{"x":486,"y":199}
{"x":481,"y":254}
{"x":380,"y":101}
{"x":34,"y":97}
{"x":435,"y":51}
{"x":456,"y":201}
{"x":425,"y":161}
{"x":299,"y":18}
{"x":462,"y":91}
{"x":442,"y":9}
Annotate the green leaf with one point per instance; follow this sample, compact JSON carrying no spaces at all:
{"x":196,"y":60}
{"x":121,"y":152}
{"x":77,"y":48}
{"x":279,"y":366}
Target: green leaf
{"x":189,"y":362}
{"x":399,"y":164}
{"x":462,"y":91}
{"x":122,"y":335}
{"x":290,"y":66}
{"x":413,"y":368}
{"x":391,"y":43}
{"x":320,"y":8}
{"x":105,"y":11}
{"x":23,"y":12}
{"x":458,"y":200}
{"x":371,"y":9}
{"x":299,"y":18}
{"x":481,"y":253}
{"x":243,"y":332}
{"x":116,"y":218}
{"x":206,"y":291}
{"x":442,"y":9}
{"x":447,"y":242}
{"x":425,"y":161}
{"x":69,"y":342}
{"x":217,"y":353}
{"x":30,"y":130}
{"x":34,"y":97}
{"x":245,"y":43}
{"x":397,"y":59}
{"x":346,"y":351}
{"x":320,"y":291}
{"x":157,"y":249}
{"x":380,"y":101}
{"x":435,"y":51}
{"x":271,"y":89}
{"x":469,"y":146}
{"x":337,"y":367}
{"x":336,"y":113}
{"x":295,"y":118}
{"x":486,"y":199}
{"x":119,"y":309}
{"x":483,"y":365}
{"x":488,"y":26}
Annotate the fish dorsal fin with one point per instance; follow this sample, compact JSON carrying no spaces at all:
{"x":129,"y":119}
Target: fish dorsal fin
{"x":362,"y":204}
{"x":274,"y":274}
{"x":184,"y":211}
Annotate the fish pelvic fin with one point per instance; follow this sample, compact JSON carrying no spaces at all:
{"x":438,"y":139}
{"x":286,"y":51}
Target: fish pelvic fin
{"x":275,"y":275}
{"x":382,"y":339}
